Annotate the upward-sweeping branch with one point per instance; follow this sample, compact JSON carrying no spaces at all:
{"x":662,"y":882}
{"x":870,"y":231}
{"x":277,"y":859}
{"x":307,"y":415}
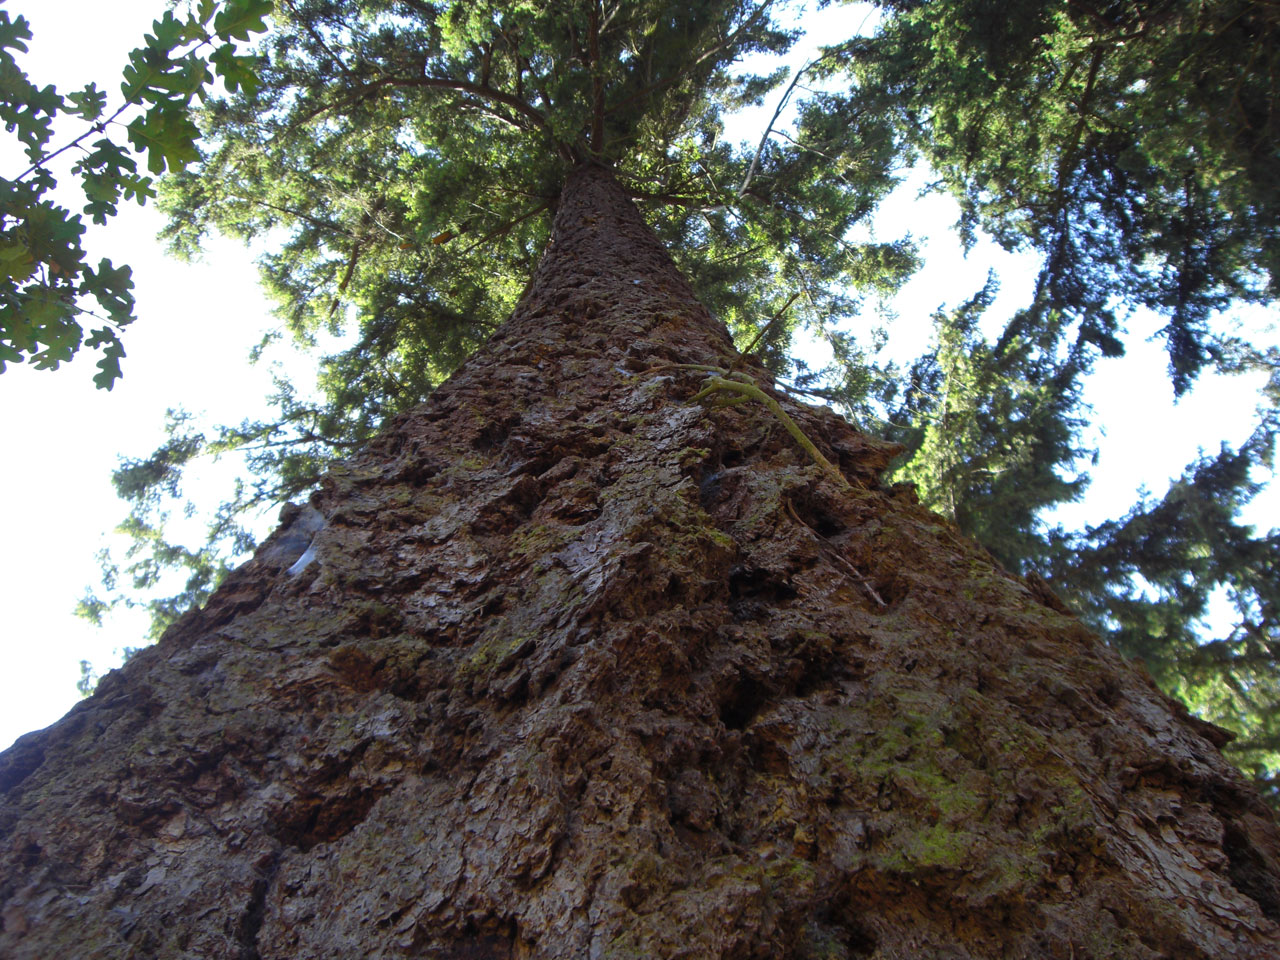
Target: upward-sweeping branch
{"x":597,"y":81}
{"x":475,"y":90}
{"x":693,"y":63}
{"x":482,"y":93}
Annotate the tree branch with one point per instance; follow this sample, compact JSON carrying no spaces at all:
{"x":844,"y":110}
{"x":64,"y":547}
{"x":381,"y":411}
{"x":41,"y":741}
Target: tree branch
{"x":98,"y":126}
{"x":764,"y":138}
{"x":693,"y":203}
{"x":472,"y":90}
{"x":506,"y":227}
{"x":463,"y":86}
{"x":597,"y":81}
{"x":694,"y":63}
{"x":791,"y":88}
{"x":314,"y":221}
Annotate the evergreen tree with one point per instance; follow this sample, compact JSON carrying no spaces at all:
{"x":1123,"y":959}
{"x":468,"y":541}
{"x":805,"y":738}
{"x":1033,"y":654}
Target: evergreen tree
{"x":1132,"y":146}
{"x":1056,"y":125}
{"x":610,"y":647}
{"x":1118,"y":143}
{"x":408,"y":156}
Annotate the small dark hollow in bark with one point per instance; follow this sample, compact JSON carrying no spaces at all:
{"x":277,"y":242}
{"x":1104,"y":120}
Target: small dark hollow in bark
{"x":748,"y":583}
{"x":308,"y":823}
{"x":813,"y":512}
{"x":1248,"y":871}
{"x":742,"y":702}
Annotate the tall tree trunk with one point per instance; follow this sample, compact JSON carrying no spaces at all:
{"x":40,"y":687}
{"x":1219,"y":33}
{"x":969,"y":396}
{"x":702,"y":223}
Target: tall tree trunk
{"x":567,"y":665}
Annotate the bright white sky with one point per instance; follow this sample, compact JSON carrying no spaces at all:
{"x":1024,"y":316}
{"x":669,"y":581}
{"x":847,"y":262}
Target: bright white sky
{"x":62,"y":438}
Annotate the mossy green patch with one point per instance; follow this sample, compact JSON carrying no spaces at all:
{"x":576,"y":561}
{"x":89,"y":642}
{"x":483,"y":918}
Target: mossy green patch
{"x":691,"y":455}
{"x":494,"y":650}
{"x":539,"y":540}
{"x":940,"y":846}
{"x":792,"y":874}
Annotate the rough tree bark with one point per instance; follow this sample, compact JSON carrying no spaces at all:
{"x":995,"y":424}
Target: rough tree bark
{"x":566,"y":665}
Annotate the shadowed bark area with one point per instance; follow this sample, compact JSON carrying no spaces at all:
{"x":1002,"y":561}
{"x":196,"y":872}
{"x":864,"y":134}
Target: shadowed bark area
{"x":577,"y":668}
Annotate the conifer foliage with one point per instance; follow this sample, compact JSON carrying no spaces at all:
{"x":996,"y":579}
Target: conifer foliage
{"x":1133,"y":147}
{"x":611,"y":647}
{"x":1132,"y":143}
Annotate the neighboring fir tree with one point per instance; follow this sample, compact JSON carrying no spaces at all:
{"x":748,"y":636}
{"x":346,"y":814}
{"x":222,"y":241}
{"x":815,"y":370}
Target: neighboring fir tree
{"x":1146,"y":581}
{"x":990,"y":430}
{"x":1133,"y":147}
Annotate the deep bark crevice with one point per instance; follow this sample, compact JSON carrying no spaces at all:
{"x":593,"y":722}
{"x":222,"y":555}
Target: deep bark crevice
{"x":1249,"y":872}
{"x":255,"y":913}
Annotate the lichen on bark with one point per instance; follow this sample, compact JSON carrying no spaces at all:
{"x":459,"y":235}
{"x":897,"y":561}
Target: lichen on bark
{"x":583,"y":669}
